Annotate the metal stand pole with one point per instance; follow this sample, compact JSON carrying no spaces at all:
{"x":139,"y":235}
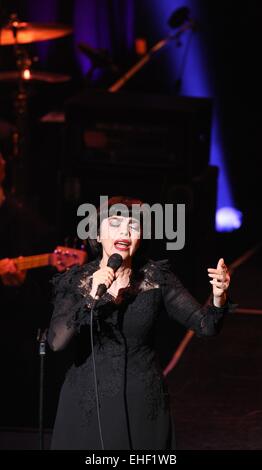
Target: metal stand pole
{"x":41,"y":338}
{"x":156,"y":48}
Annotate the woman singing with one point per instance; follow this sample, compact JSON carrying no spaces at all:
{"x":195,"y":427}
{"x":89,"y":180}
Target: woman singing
{"x":133,"y":399}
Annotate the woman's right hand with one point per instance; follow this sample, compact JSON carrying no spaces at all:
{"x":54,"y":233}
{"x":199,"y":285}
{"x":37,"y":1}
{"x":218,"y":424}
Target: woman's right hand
{"x":102,"y":276}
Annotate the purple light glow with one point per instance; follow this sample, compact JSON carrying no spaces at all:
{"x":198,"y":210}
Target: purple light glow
{"x":228,"y":219}
{"x":94,"y":21}
{"x":196,"y":81}
{"x":90,"y":27}
{"x":42,"y":12}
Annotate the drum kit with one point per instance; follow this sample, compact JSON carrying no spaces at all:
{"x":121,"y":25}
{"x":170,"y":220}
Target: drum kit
{"x":19,"y":34}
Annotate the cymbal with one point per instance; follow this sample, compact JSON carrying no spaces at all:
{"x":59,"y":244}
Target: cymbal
{"x":32,"y":32}
{"x":32,"y":75}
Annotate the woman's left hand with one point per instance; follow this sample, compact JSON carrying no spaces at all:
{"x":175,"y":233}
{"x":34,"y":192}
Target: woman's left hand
{"x":220,"y":282}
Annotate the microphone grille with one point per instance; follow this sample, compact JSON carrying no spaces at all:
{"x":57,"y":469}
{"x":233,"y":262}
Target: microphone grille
{"x":115,"y":261}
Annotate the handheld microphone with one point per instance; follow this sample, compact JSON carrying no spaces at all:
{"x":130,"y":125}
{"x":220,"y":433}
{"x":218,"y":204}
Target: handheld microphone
{"x":114,"y":262}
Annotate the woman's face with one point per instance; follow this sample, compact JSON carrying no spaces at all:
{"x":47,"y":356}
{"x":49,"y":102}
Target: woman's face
{"x":120,"y":235}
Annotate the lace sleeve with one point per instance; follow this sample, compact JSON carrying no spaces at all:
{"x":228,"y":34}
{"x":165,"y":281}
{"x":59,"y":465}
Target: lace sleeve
{"x":71,"y":308}
{"x":181,"y":306}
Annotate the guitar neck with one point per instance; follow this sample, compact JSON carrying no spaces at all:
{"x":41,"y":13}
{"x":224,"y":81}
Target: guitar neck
{"x":31,"y":262}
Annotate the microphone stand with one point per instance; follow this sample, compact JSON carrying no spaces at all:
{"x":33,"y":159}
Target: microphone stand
{"x":41,"y":338}
{"x":156,"y":48}
{"x":20,"y":104}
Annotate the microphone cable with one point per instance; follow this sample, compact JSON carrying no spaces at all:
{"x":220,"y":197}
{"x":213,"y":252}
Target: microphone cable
{"x":114,"y":262}
{"x":94,"y":372}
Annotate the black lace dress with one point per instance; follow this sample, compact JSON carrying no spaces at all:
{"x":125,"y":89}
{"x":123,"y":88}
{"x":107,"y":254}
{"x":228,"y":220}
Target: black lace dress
{"x":134,"y":401}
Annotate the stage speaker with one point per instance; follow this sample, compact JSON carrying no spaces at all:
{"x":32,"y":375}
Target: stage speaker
{"x":134,"y":130}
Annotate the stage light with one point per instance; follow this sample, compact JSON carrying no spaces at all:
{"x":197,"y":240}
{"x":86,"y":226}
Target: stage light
{"x":189,"y":69}
{"x":228,"y":219}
